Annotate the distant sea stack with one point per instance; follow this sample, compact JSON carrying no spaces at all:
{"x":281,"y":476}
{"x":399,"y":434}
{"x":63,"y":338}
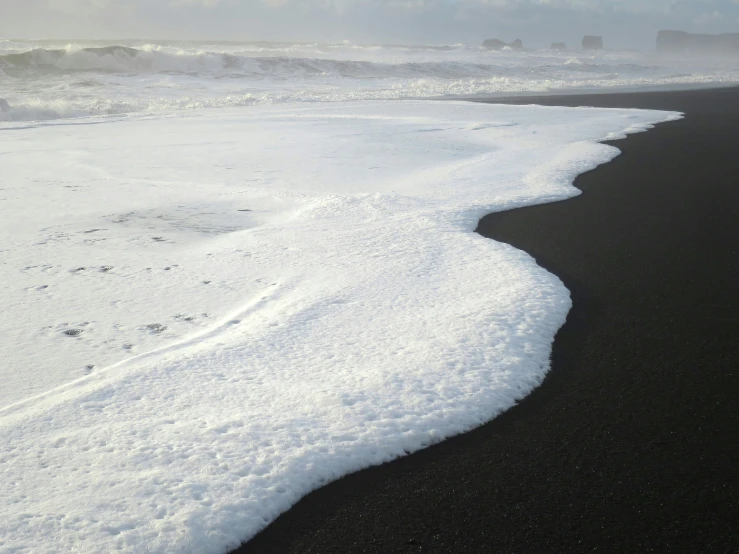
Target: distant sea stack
{"x":681,"y":42}
{"x":558,"y":46}
{"x":516,"y":44}
{"x":495,"y":44}
{"x":592,"y":43}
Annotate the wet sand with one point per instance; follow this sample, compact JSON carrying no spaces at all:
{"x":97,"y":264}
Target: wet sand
{"x":632,"y":442}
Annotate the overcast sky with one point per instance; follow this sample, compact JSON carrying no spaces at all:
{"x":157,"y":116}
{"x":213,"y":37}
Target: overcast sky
{"x":623,"y":23}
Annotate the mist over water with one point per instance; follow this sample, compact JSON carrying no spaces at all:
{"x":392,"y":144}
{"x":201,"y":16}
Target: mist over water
{"x":43,"y":80}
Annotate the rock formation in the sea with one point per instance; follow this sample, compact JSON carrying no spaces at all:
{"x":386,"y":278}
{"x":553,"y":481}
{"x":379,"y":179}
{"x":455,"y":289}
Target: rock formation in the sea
{"x":688,"y":43}
{"x":559,"y":46}
{"x":495,"y":44}
{"x":592,"y":43}
{"x":4,"y":106}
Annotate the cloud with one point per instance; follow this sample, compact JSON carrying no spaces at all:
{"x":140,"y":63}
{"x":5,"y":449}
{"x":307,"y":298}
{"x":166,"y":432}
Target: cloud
{"x":78,"y":7}
{"x":624,"y":23}
{"x":203,"y":3}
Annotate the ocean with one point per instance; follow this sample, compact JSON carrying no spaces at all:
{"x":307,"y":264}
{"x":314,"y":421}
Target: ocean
{"x":47,"y":80}
{"x":232,"y":273}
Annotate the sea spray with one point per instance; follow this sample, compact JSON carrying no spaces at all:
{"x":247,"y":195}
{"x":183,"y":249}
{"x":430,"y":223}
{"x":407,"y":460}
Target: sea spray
{"x":46,"y":80}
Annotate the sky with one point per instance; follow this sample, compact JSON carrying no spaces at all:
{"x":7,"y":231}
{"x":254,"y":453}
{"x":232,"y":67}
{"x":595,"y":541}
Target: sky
{"x":623,"y":23}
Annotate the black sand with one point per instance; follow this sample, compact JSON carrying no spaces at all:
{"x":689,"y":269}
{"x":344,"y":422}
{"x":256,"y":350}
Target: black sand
{"x":632,"y":442}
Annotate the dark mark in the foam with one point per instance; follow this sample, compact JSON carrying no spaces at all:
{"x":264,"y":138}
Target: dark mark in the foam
{"x":184,"y":317}
{"x":156,"y":327}
{"x":73,"y":332}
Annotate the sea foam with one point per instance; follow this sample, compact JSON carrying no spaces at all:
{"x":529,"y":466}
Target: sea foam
{"x":264,"y":300}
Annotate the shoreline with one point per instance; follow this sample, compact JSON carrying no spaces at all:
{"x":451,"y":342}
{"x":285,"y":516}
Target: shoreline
{"x":630,"y":442}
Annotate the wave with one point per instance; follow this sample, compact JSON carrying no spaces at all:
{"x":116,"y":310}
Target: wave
{"x":108,"y":59}
{"x":47,"y":110}
{"x":49,"y":81}
{"x":129,"y":60}
{"x":38,"y":109}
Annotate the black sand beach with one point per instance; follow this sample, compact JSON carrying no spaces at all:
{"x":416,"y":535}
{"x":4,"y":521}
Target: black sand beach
{"x":632,"y":442}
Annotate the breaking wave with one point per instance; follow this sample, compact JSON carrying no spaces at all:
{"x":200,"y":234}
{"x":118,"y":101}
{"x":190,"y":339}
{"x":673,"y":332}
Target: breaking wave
{"x":127,"y":60}
{"x":43,"y":80}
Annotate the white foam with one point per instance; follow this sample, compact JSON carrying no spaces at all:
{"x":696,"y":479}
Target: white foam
{"x":354,"y":315}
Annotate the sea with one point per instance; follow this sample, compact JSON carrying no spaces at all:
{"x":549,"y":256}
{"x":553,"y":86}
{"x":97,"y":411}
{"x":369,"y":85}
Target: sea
{"x":46,"y":80}
{"x":231,"y":273}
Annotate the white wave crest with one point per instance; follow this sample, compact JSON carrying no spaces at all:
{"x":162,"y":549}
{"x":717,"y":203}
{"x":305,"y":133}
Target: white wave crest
{"x":155,"y":59}
{"x":46,"y":81}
